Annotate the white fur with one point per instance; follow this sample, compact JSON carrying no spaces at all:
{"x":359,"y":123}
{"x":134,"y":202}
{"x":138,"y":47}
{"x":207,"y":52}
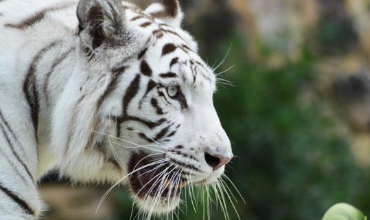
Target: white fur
{"x":66,"y":121}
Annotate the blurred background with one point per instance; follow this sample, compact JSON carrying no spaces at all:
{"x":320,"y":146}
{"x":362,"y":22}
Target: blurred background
{"x":298,"y":113}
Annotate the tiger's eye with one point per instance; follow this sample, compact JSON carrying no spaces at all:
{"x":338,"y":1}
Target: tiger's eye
{"x":172,"y":90}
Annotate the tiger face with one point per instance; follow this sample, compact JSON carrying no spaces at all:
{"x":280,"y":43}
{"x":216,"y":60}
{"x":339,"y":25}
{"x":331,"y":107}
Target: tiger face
{"x":144,"y":113}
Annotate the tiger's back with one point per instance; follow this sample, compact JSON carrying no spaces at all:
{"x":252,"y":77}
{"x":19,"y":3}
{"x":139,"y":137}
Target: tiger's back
{"x":20,"y":42}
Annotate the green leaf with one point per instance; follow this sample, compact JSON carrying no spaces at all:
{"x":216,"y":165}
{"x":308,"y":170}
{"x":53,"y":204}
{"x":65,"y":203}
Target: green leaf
{"x":343,"y":211}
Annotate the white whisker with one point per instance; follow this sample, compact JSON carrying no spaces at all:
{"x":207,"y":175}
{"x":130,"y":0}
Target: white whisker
{"x":190,"y":187}
{"x":223,"y":60}
{"x":226,"y":187}
{"x":123,"y":178}
{"x":231,"y":201}
{"x":221,"y":81}
{"x":156,"y":178}
{"x":148,"y":137}
{"x":221,"y":200}
{"x":142,"y":146}
{"x":222,"y":72}
{"x":129,"y":142}
{"x":236,"y":189}
{"x":116,"y":157}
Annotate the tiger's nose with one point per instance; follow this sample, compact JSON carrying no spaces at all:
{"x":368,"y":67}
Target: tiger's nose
{"x":216,"y":161}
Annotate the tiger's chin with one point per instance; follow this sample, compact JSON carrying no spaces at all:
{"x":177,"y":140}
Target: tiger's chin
{"x":158,"y":206}
{"x":156,"y":184}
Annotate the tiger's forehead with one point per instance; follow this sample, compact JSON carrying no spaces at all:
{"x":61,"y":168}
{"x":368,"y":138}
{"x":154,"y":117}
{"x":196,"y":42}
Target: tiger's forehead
{"x":147,"y":23}
{"x":168,"y":53}
{"x":171,"y":61}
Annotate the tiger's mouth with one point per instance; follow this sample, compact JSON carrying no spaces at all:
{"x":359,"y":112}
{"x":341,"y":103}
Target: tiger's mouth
{"x":154,"y":177}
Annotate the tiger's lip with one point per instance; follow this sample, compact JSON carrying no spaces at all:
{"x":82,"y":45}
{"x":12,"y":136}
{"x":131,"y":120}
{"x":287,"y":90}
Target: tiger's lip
{"x":148,"y":181}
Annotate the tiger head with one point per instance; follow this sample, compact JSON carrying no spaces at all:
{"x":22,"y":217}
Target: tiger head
{"x":139,"y":105}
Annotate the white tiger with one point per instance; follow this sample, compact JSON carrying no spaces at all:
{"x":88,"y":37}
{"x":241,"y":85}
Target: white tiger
{"x":115,"y":94}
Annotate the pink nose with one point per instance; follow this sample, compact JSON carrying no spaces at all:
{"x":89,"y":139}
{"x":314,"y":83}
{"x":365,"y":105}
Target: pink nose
{"x":216,"y":161}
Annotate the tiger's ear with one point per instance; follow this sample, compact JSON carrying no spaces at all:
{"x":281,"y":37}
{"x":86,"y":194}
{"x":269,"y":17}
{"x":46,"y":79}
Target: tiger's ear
{"x":167,"y":10}
{"x":101,"y":21}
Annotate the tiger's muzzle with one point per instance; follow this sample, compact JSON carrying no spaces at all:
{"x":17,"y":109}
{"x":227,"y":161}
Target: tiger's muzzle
{"x":154,"y":177}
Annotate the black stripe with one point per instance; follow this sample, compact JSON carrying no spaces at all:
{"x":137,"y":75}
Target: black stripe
{"x":74,"y":118}
{"x":146,"y":24}
{"x":149,"y":88}
{"x":164,"y":25}
{"x":168,"y":75}
{"x":137,"y":17}
{"x":185,"y":47}
{"x":119,"y":70}
{"x":174,"y":61}
{"x":15,"y":168}
{"x":18,"y":200}
{"x":161,"y":94}
{"x":172,"y":133}
{"x":162,"y":133}
{"x":48,"y":75}
{"x":186,"y":174}
{"x":15,"y":153}
{"x":168,"y":48}
{"x":131,"y":92}
{"x":183,"y":155}
{"x":200,"y":64}
{"x":154,"y":103}
{"x":30,"y":87}
{"x":142,"y":53}
{"x":116,"y":73}
{"x":145,"y":68}
{"x":118,"y":128}
{"x":194,"y":70}
{"x":181,"y":98}
{"x":172,"y":32}
{"x":11,"y":131}
{"x":189,"y":166}
{"x":30,"y":21}
{"x":149,"y":124}
{"x":143,"y":136}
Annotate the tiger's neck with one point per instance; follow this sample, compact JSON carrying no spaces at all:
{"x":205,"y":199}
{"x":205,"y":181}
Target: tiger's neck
{"x":46,"y":79}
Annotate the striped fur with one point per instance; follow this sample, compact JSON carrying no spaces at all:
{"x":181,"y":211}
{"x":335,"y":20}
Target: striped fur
{"x":85,"y":85}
